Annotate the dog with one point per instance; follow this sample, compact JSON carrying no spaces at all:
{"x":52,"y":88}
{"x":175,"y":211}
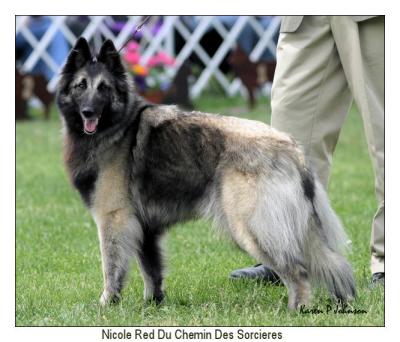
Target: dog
{"x":141,"y":168}
{"x":253,"y":75}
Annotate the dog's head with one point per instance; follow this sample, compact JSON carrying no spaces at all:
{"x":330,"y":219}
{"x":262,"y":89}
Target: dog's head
{"x":93,"y":91}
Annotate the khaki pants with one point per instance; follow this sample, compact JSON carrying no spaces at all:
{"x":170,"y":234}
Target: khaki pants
{"x":321,"y":67}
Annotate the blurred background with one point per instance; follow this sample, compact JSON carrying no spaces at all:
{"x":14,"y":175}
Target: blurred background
{"x":174,"y":59}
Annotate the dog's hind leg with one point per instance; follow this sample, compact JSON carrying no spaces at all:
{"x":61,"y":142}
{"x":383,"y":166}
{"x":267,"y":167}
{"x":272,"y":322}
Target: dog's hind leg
{"x":151,"y":265}
{"x":119,"y":235}
{"x":293,"y":275}
{"x":260,"y":222}
{"x":297,"y":282}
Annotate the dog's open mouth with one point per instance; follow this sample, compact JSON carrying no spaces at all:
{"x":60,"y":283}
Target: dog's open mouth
{"x":90,"y":125}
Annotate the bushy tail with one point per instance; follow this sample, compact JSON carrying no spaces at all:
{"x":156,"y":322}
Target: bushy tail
{"x":326,"y":244}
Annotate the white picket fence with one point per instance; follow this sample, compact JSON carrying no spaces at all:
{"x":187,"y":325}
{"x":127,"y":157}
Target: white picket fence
{"x":163,"y":40}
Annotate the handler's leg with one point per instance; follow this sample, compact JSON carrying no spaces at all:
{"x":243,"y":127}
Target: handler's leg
{"x":310,"y":94}
{"x":361,"y":49}
{"x":310,"y":100}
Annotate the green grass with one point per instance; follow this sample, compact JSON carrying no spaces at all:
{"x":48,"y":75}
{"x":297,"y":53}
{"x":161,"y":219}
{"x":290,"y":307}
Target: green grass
{"x":58,"y":271}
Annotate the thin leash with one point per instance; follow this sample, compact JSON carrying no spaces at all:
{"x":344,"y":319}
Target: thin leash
{"x":138,"y":28}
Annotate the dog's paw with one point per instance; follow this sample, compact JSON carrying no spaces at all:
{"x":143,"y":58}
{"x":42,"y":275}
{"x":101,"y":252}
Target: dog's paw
{"x":108,"y":298}
{"x":155,"y":298}
{"x":158,"y":298}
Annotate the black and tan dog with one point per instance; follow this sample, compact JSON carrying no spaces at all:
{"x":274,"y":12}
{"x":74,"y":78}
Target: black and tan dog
{"x":141,"y":168}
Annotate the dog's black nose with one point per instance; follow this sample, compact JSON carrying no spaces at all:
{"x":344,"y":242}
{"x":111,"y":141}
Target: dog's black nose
{"x":87,"y":112}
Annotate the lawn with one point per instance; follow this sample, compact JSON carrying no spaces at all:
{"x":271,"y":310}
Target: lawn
{"x":58,"y":269}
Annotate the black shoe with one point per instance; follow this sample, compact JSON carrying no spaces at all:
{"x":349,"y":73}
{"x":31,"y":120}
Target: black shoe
{"x":378,"y":279}
{"x":258,"y":272}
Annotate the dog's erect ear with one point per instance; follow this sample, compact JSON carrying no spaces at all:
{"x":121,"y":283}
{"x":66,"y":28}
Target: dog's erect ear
{"x":78,"y":57}
{"x":109,"y":56}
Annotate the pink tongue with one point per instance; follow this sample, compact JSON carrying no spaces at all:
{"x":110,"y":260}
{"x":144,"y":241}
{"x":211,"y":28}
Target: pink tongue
{"x":90,"y":125}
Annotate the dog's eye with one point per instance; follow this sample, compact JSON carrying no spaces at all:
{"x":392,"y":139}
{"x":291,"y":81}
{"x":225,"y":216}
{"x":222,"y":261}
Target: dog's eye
{"x":82,"y":85}
{"x":102,"y":87}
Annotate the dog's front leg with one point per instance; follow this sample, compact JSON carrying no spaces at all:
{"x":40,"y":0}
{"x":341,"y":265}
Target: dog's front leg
{"x":151,"y":265}
{"x":119,"y":235}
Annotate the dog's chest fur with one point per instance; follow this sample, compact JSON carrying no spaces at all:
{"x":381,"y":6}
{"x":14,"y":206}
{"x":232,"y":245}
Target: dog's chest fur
{"x":111,"y":189}
{"x":101,"y":177}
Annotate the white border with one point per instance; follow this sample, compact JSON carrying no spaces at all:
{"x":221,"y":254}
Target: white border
{"x":7,"y":179}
